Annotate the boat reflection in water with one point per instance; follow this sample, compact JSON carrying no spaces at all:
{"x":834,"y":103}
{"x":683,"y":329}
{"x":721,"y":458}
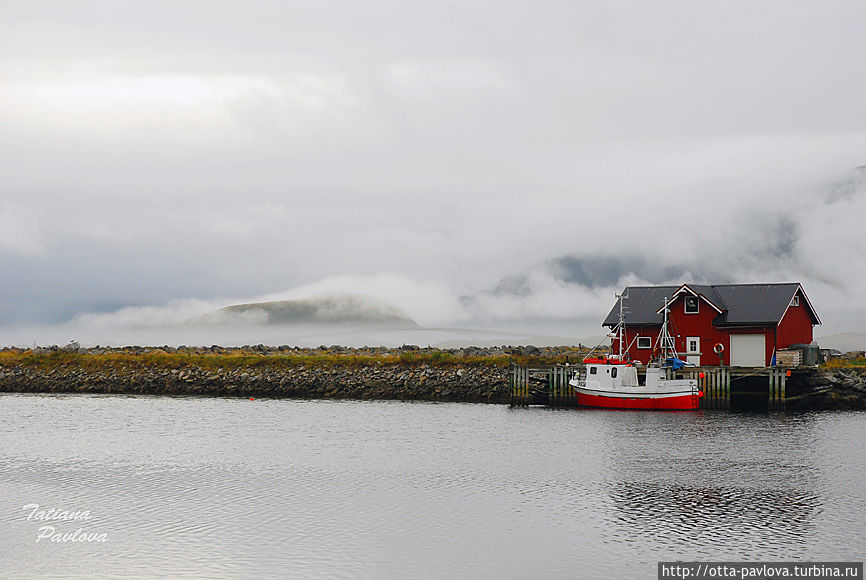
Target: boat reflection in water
{"x":669,"y":515}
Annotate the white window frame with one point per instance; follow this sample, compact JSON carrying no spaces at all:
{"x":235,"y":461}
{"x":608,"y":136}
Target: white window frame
{"x":686,"y":305}
{"x":795,"y":301}
{"x":697,"y":341}
{"x":648,"y":339}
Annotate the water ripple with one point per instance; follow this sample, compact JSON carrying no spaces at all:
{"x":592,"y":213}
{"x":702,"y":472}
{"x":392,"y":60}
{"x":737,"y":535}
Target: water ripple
{"x":223,"y":488}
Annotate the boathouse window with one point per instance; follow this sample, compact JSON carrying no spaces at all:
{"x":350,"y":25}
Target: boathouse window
{"x":795,"y":301}
{"x":613,"y":373}
{"x":593,"y":370}
{"x":644,"y":342}
{"x":691,"y":304}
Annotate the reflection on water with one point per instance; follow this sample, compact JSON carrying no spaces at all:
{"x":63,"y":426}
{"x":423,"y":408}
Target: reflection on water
{"x":670,"y":516}
{"x":188,"y":487}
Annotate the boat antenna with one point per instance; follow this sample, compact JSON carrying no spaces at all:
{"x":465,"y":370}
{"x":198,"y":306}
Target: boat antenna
{"x":617,"y":329}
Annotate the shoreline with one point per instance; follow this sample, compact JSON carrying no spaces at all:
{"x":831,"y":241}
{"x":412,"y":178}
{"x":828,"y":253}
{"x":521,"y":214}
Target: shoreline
{"x":470,"y":374}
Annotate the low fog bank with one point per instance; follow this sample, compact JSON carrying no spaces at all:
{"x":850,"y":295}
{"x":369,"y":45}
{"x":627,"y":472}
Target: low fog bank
{"x":538,"y":333}
{"x":276,"y":335}
{"x":812,"y":235}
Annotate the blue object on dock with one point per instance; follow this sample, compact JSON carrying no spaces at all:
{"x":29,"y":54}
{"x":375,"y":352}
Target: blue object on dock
{"x":675,"y":363}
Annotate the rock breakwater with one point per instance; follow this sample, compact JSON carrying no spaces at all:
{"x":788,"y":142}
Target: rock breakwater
{"x":840,"y":387}
{"x":471,"y":374}
{"x":471,"y":384}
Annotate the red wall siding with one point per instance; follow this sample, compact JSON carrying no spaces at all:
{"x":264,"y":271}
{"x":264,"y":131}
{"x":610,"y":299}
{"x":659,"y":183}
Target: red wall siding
{"x":683,"y":325}
{"x":641,"y":354}
{"x":796,"y":325}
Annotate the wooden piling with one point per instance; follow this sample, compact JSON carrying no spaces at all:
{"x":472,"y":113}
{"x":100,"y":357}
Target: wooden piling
{"x":780,"y":390}
{"x":777,"y":380}
{"x":771,"y":402}
{"x":524,"y":386}
{"x":711,"y":389}
{"x":551,"y":385}
{"x":716,"y":386}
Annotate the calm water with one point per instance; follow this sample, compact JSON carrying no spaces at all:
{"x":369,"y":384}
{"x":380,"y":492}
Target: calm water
{"x":226,"y":488}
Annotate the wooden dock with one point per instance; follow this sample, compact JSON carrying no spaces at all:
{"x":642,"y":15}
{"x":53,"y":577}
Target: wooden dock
{"x":720,"y":385}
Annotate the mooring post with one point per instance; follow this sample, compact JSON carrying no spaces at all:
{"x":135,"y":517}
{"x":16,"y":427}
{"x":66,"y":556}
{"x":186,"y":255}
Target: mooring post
{"x":560,"y":388}
{"x":718,"y":378}
{"x":707,"y":385}
{"x":714,"y":386}
{"x":524,"y":385}
{"x":771,"y":403}
{"x":563,"y":382}
{"x":520,"y":385}
{"x":565,"y":387}
{"x":560,"y":373}
{"x":710,"y":390}
{"x":511,"y":384}
{"x":517,"y":385}
{"x":522,"y":390}
{"x":718,"y":381}
{"x":783,"y":378}
{"x":775,"y":383}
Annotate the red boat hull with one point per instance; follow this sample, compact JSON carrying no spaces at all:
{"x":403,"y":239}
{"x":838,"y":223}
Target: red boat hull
{"x":676,"y":403}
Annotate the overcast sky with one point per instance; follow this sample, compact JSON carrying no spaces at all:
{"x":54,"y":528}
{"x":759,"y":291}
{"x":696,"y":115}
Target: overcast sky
{"x":185,"y":155}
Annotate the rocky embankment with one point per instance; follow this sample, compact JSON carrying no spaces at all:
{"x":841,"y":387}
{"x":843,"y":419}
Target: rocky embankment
{"x":840,"y":387}
{"x":410,"y":373}
{"x":470,"y":374}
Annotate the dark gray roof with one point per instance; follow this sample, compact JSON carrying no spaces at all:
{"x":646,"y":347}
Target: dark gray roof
{"x":741,"y":304}
{"x":641,"y":305}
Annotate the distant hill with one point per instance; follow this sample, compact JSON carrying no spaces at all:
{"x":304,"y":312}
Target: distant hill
{"x":845,"y":342}
{"x":329,"y":310}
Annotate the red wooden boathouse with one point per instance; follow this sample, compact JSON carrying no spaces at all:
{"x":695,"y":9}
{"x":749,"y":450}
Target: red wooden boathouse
{"x":731,"y":324}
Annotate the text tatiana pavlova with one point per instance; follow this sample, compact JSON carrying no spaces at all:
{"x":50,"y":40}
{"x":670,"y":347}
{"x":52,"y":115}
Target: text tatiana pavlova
{"x":51,"y":533}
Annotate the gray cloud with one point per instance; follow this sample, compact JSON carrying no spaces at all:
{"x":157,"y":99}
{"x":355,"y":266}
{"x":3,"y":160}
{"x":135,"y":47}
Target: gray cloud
{"x":203,"y":151}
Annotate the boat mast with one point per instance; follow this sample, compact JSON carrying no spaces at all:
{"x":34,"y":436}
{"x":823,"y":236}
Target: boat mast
{"x":621,"y":324}
{"x":617,"y":332}
{"x":666,"y":340}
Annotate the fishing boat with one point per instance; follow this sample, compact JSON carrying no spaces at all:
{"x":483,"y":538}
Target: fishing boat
{"x":612,"y":381}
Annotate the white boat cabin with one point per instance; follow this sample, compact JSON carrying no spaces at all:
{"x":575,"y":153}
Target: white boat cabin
{"x":607,"y":375}
{"x":601,"y":376}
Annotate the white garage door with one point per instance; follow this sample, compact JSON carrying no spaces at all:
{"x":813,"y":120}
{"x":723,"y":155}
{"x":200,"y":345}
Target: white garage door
{"x":747,"y":350}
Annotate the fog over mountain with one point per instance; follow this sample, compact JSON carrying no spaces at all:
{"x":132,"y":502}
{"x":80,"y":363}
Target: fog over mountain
{"x":336,"y":309}
{"x":493,"y":167}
